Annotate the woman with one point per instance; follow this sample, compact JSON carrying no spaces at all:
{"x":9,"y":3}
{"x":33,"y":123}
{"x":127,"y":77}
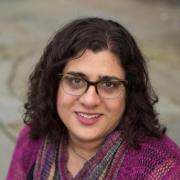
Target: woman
{"x":90,"y":111}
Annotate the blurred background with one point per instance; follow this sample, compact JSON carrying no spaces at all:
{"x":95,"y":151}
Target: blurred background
{"x":26,"y":26}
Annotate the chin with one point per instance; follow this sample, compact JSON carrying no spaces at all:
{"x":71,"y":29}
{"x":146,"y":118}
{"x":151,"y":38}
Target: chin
{"x":90,"y":137}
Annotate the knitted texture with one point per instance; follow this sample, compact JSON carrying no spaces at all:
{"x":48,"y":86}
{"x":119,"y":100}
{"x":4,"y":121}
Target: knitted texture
{"x":45,"y":165}
{"x":156,"y":159}
{"x":99,"y":166}
{"x":49,"y":161}
{"x":24,"y":156}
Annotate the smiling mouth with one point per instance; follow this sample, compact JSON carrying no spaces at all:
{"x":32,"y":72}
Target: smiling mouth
{"x":88,"y":118}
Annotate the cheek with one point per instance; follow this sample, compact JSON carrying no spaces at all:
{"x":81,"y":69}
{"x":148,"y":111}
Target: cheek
{"x":117,"y":108}
{"x":61,"y":103}
{"x":64,"y":103}
{"x":59,"y":97}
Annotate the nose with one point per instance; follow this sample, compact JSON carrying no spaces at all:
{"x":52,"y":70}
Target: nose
{"x":90,"y":98}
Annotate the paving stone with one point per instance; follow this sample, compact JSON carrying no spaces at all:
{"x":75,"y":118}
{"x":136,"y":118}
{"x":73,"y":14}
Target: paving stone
{"x":7,"y":147}
{"x":10,"y":109}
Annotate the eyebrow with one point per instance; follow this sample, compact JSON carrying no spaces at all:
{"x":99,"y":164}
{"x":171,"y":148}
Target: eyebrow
{"x":86,"y":77}
{"x":78,"y":74}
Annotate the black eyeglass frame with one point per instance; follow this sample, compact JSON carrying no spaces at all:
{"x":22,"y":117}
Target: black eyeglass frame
{"x":94,"y":83}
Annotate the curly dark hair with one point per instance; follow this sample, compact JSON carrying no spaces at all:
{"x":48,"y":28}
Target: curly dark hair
{"x":140,"y":118}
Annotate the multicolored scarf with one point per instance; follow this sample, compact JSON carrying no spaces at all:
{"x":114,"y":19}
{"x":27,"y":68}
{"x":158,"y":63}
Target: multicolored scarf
{"x":51,"y":163}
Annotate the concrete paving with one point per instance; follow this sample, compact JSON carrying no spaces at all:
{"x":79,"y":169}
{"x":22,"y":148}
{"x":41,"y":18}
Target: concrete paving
{"x":5,"y":153}
{"x":25,"y":27}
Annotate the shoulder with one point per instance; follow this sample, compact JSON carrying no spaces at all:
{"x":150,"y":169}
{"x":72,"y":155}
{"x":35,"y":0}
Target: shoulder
{"x":161,"y":147}
{"x":25,"y":144}
{"x":156,"y":159}
{"x":24,"y":155}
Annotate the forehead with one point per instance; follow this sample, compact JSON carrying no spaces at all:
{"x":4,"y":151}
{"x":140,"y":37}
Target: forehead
{"x":96,"y":64}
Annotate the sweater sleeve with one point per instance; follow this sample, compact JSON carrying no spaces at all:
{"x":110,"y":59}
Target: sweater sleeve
{"x":156,"y":159}
{"x":24,"y":156}
{"x":169,"y":167}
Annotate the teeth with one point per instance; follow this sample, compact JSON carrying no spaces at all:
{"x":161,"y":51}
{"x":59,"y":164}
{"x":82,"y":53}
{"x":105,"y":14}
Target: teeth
{"x":88,"y":115}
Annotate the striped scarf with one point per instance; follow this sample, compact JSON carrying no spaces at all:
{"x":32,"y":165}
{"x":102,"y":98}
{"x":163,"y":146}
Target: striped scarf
{"x":51,"y":163}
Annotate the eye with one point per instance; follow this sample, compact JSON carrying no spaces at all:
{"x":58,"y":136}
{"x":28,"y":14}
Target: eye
{"x":109,"y":84}
{"x":74,"y":82}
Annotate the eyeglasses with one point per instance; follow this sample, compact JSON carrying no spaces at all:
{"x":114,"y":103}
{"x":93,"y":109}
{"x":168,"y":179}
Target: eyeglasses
{"x":77,"y":85}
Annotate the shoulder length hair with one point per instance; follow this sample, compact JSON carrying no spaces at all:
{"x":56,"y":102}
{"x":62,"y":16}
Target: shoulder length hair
{"x":139,"y":119}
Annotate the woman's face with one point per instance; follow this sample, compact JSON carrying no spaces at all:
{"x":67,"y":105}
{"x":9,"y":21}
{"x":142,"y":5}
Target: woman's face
{"x":89,"y":117}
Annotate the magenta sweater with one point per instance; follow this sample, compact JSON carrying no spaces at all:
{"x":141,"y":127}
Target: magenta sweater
{"x":156,"y":159}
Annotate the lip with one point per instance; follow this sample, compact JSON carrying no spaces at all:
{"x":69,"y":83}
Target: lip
{"x":83,"y":118}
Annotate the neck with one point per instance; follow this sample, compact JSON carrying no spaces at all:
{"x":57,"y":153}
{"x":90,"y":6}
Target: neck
{"x":84,"y":149}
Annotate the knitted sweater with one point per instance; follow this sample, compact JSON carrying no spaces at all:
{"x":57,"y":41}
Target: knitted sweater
{"x":156,"y":159}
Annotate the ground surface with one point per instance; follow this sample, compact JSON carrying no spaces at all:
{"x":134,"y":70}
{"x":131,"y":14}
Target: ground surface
{"x":25,"y":27}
